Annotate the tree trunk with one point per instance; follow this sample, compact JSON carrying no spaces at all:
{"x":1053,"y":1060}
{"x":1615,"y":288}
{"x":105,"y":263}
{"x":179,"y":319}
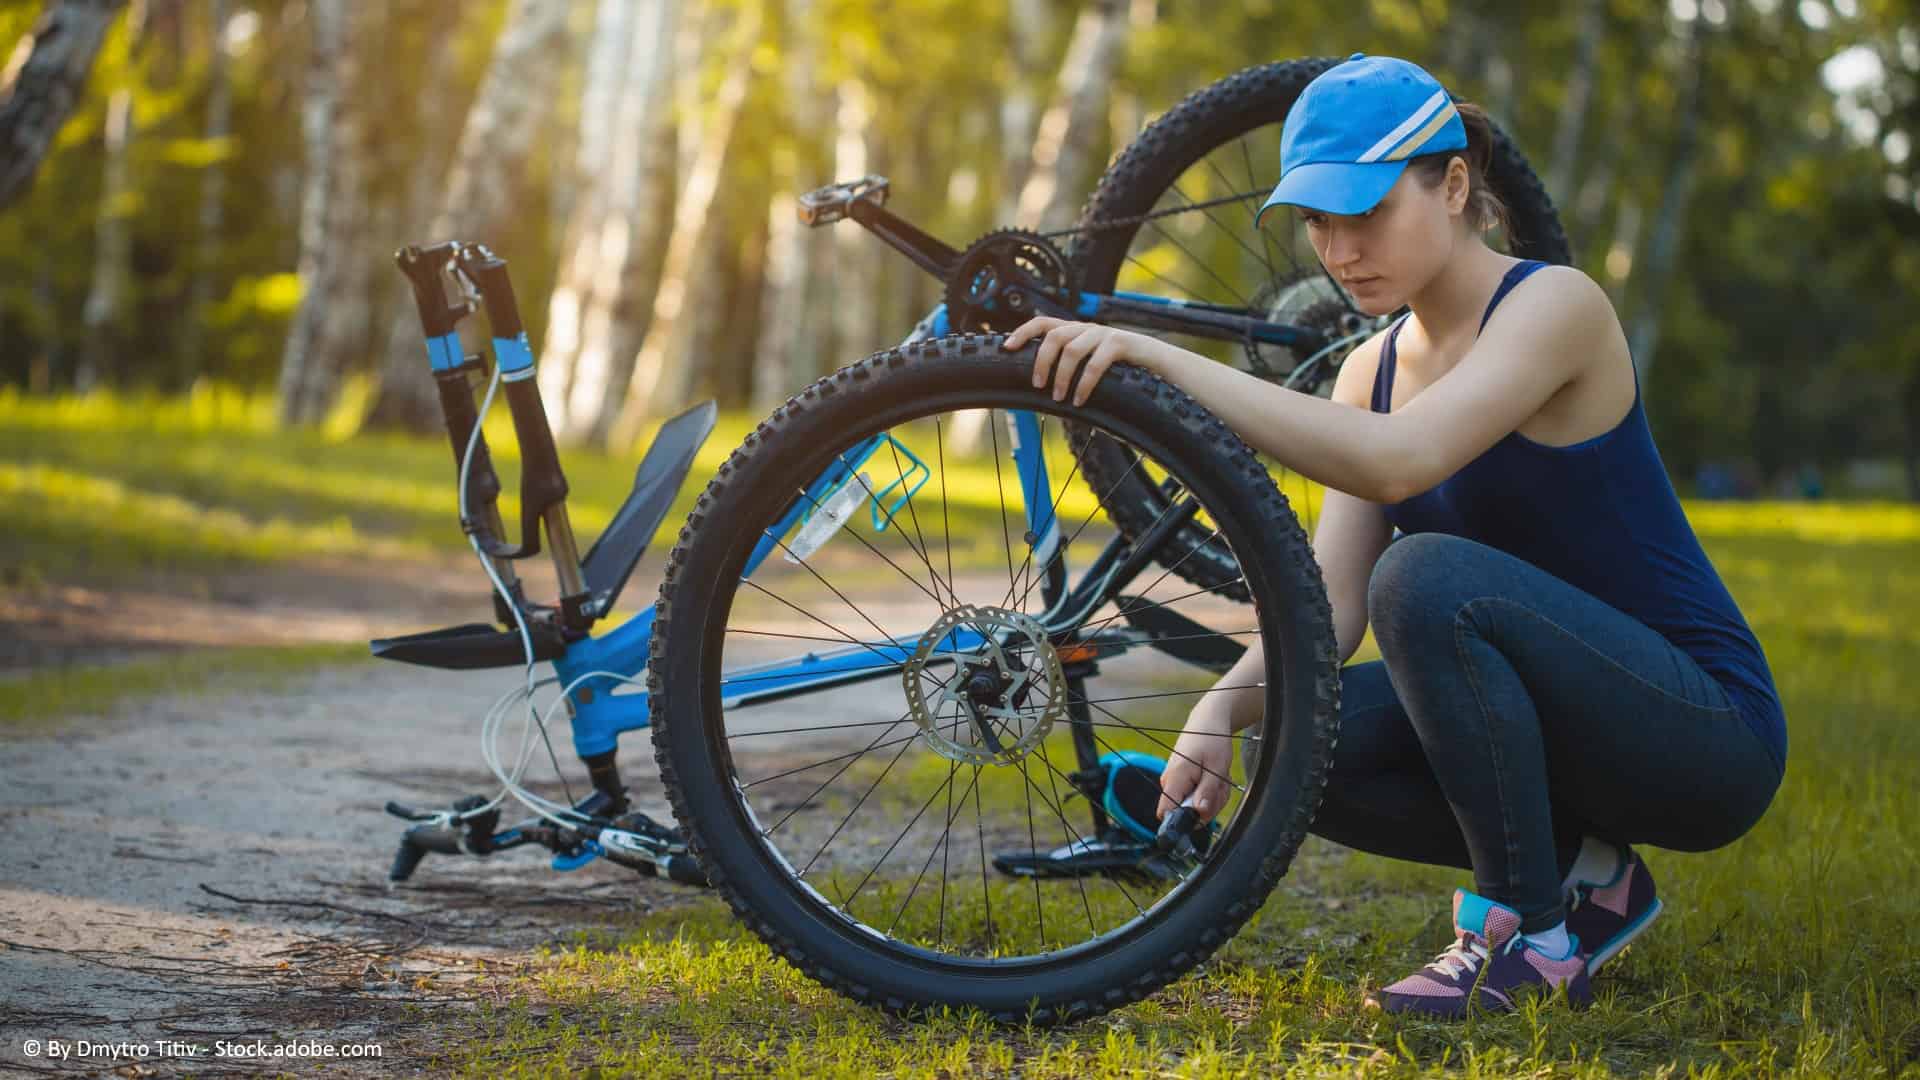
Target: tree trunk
{"x":857,"y":253}
{"x":1062,"y":155}
{"x":1027,"y":25}
{"x":1126,"y":116}
{"x":43,"y":81}
{"x":513,"y":101}
{"x":431,"y":159}
{"x":781,"y":298}
{"x":662,"y":373}
{"x":1664,"y":240}
{"x":1069,"y":132}
{"x":1622,"y":249}
{"x":640,"y":207}
{"x":796,"y":316}
{"x":103,"y":315}
{"x":812,"y":353}
{"x":308,"y":368}
{"x":589,"y":232}
{"x":213,"y":185}
{"x":1588,"y":28}
{"x":1913,"y":435}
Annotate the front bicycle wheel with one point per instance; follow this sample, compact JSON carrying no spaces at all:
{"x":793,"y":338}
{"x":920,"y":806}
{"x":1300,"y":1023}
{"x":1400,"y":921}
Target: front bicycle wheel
{"x":1173,"y":216}
{"x":875,"y":699}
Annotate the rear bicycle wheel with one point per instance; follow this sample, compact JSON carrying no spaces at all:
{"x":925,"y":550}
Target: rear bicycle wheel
{"x":1202,"y":170}
{"x":856,"y":828}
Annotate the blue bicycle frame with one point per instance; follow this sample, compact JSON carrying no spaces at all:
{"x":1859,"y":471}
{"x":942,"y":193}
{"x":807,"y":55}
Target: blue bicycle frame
{"x":600,"y":714}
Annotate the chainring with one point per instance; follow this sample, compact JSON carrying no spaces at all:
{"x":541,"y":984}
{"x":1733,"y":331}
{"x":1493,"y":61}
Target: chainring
{"x":1001,"y":276}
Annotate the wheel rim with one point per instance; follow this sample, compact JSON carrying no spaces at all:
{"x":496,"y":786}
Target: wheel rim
{"x":951,"y":799}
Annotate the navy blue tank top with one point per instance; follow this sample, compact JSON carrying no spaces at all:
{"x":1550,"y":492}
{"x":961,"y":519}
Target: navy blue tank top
{"x":1601,"y":515}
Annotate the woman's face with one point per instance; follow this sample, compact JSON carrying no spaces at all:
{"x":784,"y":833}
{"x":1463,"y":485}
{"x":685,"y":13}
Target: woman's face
{"x":1388,"y":254}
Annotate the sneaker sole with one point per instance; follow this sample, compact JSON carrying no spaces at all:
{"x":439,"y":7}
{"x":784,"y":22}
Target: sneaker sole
{"x":1625,"y":937}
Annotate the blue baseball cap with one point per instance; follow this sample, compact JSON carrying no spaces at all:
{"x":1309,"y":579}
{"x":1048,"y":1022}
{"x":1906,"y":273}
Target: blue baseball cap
{"x":1351,"y":131}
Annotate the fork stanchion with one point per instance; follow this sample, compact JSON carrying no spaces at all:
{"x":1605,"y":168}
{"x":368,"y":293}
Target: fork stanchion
{"x":543,"y":486}
{"x":425,"y":267}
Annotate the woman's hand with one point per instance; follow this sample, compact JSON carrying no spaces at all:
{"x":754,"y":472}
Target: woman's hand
{"x":1201,"y":761}
{"x":1068,"y":347}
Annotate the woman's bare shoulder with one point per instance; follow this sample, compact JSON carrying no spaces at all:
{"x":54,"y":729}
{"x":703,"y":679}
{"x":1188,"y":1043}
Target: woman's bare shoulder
{"x":1354,"y":386}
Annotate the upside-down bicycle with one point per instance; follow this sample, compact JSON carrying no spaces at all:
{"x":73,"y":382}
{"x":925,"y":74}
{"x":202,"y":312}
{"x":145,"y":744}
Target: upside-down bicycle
{"x":987,"y":838}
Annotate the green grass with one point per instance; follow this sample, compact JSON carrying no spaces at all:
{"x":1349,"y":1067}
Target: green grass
{"x":37,"y":701}
{"x":1795,"y":951}
{"x":110,"y":487}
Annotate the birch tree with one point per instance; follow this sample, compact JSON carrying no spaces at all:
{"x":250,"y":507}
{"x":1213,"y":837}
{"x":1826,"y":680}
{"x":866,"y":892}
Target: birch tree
{"x":1588,"y":28}
{"x":1070,"y":129}
{"x":1062,"y":154}
{"x":513,"y":102}
{"x":218,"y":131}
{"x":794,"y":316}
{"x":43,"y":80}
{"x":1663,"y":239}
{"x":305,"y":382}
{"x":113,"y":227}
{"x":596,"y":312}
{"x":662,"y":373}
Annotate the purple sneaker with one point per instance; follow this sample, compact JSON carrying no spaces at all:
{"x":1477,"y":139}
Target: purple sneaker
{"x":1611,"y":915}
{"x":1489,"y":962}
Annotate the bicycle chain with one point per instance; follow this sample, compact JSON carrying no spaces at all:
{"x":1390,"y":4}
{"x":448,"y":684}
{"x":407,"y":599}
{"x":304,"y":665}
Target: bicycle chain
{"x":1138,"y":219}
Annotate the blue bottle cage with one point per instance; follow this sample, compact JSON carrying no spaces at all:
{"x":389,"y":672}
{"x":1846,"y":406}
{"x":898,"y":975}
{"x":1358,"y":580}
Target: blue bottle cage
{"x":880,"y":509}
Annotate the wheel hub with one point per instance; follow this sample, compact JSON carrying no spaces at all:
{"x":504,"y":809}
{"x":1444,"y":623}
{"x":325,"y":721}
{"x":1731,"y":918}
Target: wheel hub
{"x":1002,"y":694}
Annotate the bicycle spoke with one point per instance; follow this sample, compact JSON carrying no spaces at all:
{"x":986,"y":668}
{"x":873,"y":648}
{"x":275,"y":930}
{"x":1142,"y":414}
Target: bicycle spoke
{"x":1095,"y":627}
{"x":1234,"y":233}
{"x":946,"y":525}
{"x":1054,"y":786}
{"x":1171,"y":752}
{"x":993,"y":432}
{"x":1176,"y":731}
{"x":1084,"y":522}
{"x":940,"y":845}
{"x":913,"y":517}
{"x":808,"y":567}
{"x":862,"y":801}
{"x":980,"y":832}
{"x":867,"y":838}
{"x":855,"y":533}
{"x":1239,"y":299}
{"x":1046,"y":522}
{"x":1068,"y":826}
{"x":875,"y":745}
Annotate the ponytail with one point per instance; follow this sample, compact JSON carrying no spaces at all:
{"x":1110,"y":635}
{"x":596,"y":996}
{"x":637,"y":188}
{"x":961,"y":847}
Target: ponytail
{"x":1484,"y":208}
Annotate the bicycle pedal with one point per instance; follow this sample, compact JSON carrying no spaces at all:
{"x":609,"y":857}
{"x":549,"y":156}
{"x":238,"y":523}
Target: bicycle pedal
{"x":642,"y":825}
{"x":826,"y":205}
{"x":1088,"y":856}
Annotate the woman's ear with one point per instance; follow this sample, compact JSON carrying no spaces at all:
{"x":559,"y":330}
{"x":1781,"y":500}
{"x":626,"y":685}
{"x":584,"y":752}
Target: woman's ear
{"x":1459,"y":185}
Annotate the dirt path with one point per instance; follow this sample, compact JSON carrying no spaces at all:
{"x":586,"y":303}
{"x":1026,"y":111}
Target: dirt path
{"x":213,"y":866}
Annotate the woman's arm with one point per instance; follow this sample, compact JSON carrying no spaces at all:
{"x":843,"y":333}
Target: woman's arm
{"x":1347,"y":541}
{"x":1524,"y":356}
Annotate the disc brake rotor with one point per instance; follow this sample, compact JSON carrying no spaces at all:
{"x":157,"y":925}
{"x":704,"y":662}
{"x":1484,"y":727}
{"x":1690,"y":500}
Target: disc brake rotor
{"x":1002,"y":696}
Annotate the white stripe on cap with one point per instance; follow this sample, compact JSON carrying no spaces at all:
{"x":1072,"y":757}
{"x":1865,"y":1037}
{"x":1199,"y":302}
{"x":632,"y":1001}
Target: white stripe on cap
{"x":1419,"y":117}
{"x":1419,"y":138}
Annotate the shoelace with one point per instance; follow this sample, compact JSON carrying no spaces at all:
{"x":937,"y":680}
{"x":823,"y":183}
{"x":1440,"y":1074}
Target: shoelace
{"x":1464,"y":955}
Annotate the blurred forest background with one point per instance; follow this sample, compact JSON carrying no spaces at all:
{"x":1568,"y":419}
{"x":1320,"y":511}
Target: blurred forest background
{"x":221,"y":197}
